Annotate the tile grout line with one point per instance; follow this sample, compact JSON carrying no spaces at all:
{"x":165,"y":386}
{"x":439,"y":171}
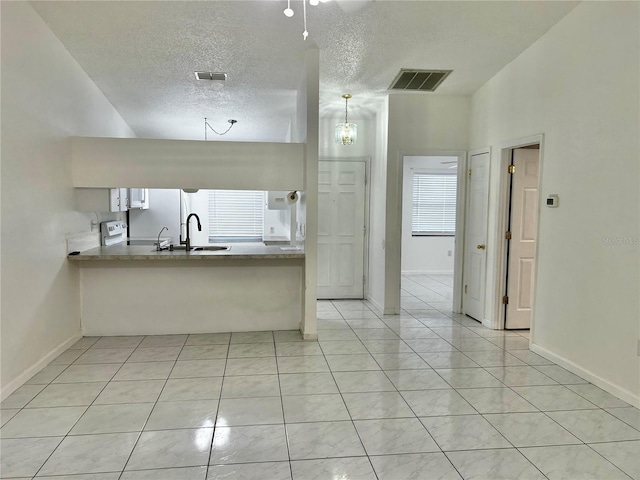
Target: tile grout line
{"x":353,"y":425}
{"x":152,"y":408}
{"x":87,"y":407}
{"x":215,"y":420}
{"x":472,"y":406}
{"x":284,"y":419}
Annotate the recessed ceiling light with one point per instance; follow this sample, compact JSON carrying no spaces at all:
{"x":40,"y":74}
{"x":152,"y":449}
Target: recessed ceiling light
{"x":210,"y":76}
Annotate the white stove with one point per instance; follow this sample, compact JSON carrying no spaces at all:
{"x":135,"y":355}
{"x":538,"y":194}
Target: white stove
{"x":113,"y":233}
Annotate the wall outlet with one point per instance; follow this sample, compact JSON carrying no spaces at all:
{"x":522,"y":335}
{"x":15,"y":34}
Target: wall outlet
{"x":272,"y":230}
{"x":449,"y":253}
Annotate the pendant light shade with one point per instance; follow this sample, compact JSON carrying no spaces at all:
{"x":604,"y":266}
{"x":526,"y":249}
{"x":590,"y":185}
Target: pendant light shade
{"x":346,"y":133}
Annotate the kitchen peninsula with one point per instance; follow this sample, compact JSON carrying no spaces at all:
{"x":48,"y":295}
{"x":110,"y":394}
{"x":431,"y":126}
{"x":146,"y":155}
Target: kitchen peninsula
{"x":199,"y":292}
{"x":135,"y":290}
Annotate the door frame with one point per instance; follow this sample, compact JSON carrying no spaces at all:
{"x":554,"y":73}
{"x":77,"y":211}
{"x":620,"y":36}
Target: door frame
{"x":502,"y":220}
{"x":461,"y":198}
{"x":367,"y":195}
{"x":465,"y":208}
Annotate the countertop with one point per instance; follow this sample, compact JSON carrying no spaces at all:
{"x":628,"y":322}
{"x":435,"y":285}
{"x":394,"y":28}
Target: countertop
{"x":238,"y":251}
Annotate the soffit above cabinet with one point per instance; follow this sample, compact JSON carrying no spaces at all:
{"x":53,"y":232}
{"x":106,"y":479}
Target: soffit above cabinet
{"x":155,"y":163}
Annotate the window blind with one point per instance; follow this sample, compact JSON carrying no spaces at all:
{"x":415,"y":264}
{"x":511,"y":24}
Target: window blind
{"x":434,"y":204}
{"x":236,"y":214}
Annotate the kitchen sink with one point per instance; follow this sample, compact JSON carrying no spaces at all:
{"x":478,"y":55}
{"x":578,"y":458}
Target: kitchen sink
{"x":207,"y":248}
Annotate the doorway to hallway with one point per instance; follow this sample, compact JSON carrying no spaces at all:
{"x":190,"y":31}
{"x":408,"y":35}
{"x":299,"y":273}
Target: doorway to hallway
{"x":429,"y":212}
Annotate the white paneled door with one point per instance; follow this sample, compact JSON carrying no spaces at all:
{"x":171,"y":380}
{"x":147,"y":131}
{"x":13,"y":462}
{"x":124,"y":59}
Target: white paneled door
{"x":475,"y":248}
{"x":341,"y":229}
{"x":522,"y":246}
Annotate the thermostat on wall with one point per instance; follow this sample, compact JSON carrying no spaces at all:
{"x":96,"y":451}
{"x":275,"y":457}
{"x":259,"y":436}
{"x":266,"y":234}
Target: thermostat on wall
{"x":552,"y":201}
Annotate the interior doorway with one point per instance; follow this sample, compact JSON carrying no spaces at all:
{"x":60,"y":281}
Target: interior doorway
{"x":429,"y":213}
{"x":520,"y":236}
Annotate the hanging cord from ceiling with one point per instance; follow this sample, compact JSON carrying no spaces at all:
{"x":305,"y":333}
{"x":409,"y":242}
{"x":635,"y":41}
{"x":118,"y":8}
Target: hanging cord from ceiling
{"x":206,"y":124}
{"x":289,"y":13}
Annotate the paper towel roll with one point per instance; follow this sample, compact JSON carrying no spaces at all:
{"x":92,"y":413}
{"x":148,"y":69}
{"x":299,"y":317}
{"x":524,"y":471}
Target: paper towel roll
{"x":292,"y":197}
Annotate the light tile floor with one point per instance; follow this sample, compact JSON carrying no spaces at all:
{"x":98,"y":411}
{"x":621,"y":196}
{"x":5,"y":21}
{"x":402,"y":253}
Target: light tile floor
{"x":422,"y":395}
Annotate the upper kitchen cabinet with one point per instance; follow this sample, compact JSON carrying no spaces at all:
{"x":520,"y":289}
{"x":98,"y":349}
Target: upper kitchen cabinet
{"x":138,"y":198}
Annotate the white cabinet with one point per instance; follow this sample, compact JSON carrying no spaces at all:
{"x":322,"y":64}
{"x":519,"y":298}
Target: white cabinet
{"x":139,"y":198}
{"x":118,"y":199}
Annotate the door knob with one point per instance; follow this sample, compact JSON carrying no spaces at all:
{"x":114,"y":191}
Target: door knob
{"x":480,"y":247}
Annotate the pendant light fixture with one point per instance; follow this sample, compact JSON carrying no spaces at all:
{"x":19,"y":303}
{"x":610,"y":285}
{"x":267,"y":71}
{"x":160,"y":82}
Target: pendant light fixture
{"x":346,"y":133}
{"x":206,"y":124}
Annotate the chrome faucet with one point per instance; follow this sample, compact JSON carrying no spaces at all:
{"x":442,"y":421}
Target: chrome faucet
{"x":158,"y":246}
{"x":188,"y":243}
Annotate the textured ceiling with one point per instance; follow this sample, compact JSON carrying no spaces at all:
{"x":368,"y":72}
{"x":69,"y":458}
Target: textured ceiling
{"x":142,"y":55}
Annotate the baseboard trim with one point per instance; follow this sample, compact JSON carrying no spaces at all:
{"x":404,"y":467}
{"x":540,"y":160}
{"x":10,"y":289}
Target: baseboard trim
{"x":427,"y":272}
{"x":612,"y":388}
{"x":489,"y":324}
{"x":375,"y":304}
{"x":17,"y":382}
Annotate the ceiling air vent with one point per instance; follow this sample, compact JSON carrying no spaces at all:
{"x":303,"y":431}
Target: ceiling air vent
{"x":419,"y":80}
{"x":211,"y":76}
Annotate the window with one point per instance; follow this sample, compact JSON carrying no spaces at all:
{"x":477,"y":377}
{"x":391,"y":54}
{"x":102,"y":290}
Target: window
{"x":236,"y":215}
{"x":434,"y":204}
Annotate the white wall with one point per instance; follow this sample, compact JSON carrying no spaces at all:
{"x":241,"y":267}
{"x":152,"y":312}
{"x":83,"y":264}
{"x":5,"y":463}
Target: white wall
{"x":40,"y":291}
{"x":578,"y":85}
{"x":424,"y":254}
{"x":363,"y":147}
{"x":277,"y":223}
{"x":164,"y":210}
{"x":376,"y":283}
{"x":419,"y":124}
{"x":307,"y":130}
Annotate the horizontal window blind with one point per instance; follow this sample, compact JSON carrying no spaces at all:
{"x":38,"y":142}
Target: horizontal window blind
{"x":434,"y":204}
{"x":236,"y":213}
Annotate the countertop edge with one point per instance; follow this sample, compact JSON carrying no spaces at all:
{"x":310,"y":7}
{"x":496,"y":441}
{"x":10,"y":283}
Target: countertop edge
{"x":188,"y":257}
